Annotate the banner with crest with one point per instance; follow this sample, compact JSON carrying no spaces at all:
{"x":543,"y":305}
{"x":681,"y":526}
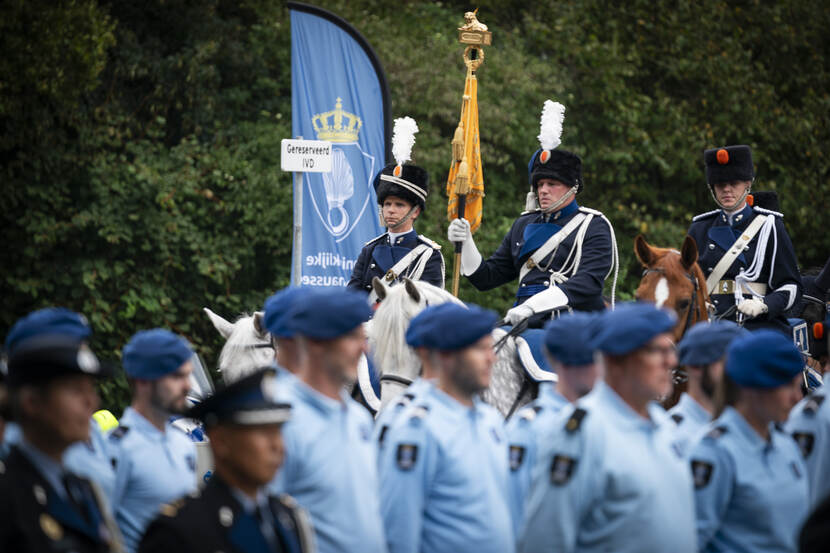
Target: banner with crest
{"x":339,"y":94}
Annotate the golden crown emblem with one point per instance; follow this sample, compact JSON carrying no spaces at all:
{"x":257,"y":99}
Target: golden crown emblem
{"x":337,"y":125}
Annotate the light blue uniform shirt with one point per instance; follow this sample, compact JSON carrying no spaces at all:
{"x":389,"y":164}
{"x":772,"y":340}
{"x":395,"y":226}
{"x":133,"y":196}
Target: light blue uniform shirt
{"x":330,"y":468}
{"x":391,"y":412}
{"x":691,"y":419}
{"x":523,"y":431}
{"x":92,"y":461}
{"x":809,"y":425}
{"x":751,"y":495}
{"x":443,"y":473}
{"x":151,"y":468}
{"x":608,"y":479}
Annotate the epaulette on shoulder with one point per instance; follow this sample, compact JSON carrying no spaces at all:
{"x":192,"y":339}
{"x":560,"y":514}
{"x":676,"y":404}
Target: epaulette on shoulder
{"x":431,"y":243}
{"x":767,"y":211}
{"x":716,"y":432}
{"x":419,"y":413}
{"x":375,"y":239}
{"x":705,"y":215}
{"x":575,"y":420}
{"x":119,"y":432}
{"x":584,"y":209}
{"x":529,"y":413}
{"x":813,"y":403}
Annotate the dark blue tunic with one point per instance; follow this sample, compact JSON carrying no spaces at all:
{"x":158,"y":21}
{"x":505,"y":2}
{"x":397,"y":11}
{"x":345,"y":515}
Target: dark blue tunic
{"x":529,"y":232}
{"x":379,"y":255}
{"x":714,"y":236}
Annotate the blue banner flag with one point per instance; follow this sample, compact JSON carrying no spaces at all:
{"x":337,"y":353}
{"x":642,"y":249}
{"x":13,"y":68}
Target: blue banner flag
{"x":338,"y":93}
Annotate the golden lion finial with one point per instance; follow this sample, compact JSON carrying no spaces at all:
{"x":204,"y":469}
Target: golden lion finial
{"x":471,"y":22}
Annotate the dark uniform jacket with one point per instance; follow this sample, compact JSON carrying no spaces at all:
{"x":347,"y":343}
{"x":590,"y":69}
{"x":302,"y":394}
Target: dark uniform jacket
{"x":35,"y":519}
{"x":714,"y":236}
{"x":379,"y":255}
{"x":529,"y":232}
{"x":213,"y":520}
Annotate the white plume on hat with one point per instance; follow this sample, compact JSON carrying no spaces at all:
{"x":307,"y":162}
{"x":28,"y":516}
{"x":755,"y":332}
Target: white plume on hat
{"x":550,"y":125}
{"x":403,"y":138}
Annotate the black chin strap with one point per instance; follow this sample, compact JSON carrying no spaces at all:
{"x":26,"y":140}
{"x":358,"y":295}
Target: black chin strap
{"x":405,"y":218}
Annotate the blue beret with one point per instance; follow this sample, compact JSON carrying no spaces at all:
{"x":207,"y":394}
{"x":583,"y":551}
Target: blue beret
{"x":152,"y":354}
{"x":57,"y":321}
{"x":763,"y":359}
{"x":706,"y":342}
{"x":327,"y":313}
{"x":630,"y":326}
{"x":251,"y":400}
{"x":277,"y":309}
{"x":450,"y":326}
{"x":568,"y":339}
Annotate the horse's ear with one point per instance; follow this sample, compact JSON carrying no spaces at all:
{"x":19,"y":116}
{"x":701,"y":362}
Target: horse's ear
{"x":688,"y":252}
{"x":643,"y":251}
{"x":412,"y":290}
{"x":379,"y":288}
{"x":259,"y":323}
{"x":224,"y":327}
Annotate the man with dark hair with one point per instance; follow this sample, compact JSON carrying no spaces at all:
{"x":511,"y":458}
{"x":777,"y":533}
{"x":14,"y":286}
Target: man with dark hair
{"x":233,"y":512}
{"x":443,"y":465}
{"x":155,"y":462}
{"x":45,"y":507}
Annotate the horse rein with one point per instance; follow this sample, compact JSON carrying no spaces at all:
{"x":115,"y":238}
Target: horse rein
{"x":693,"y":303}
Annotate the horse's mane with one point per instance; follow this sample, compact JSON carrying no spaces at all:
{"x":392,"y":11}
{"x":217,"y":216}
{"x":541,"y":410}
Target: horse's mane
{"x":387,"y":341}
{"x":238,"y":358}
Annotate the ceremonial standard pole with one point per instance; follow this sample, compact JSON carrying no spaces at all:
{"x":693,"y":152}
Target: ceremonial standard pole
{"x":465,"y":183}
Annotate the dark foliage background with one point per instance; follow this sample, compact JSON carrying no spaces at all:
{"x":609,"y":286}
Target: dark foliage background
{"x":139,"y":150}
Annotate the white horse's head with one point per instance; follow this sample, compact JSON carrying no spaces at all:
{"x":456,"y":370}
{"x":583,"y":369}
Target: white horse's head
{"x":247,"y":345}
{"x":387,"y":333}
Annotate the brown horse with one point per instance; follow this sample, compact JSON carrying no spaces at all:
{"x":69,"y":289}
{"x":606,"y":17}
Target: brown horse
{"x":673,"y":279}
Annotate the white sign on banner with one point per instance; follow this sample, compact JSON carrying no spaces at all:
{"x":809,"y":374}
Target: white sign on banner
{"x":305,"y":156}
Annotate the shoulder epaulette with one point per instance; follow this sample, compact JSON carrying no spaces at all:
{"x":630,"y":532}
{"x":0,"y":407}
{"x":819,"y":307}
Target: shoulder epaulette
{"x":589,"y":210}
{"x":813,"y":403}
{"x":375,"y":239}
{"x":705,"y":215}
{"x":716,"y":432}
{"x":767,"y":211}
{"x":575,"y":420}
{"x":119,"y":432}
{"x":431,"y":243}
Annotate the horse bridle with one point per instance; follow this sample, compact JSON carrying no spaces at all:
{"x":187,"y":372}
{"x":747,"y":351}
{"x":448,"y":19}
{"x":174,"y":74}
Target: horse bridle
{"x":693,"y":303}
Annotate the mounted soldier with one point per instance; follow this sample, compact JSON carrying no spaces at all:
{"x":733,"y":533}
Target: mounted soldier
{"x":561,"y":252}
{"x":744,"y":250}
{"x":400,"y":251}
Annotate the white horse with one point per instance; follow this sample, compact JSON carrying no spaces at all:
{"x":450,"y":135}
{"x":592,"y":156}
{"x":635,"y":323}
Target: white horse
{"x":247,"y":345}
{"x":397,"y":364}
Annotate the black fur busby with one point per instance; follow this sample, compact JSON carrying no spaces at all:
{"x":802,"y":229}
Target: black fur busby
{"x":561,"y":165}
{"x":731,"y":163}
{"x":411,"y":184}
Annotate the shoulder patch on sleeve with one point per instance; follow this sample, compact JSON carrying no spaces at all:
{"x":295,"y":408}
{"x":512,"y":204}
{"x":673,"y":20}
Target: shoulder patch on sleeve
{"x":589,"y":210}
{"x":767,"y":211}
{"x":705,"y":215}
{"x":716,"y":432}
{"x":677,"y":418}
{"x":561,"y":469}
{"x":119,"y":432}
{"x":813,"y":403}
{"x":575,"y":420}
{"x":701,"y":473}
{"x":431,"y":243}
{"x":805,"y":441}
{"x":406,"y":456}
{"x":375,"y":239}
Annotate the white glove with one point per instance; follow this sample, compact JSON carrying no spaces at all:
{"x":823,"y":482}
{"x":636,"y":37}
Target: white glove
{"x":546,"y":300}
{"x":459,"y":231}
{"x":753,"y":307}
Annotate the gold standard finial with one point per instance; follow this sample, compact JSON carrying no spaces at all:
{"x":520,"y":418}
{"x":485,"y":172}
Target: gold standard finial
{"x":474,"y":31}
